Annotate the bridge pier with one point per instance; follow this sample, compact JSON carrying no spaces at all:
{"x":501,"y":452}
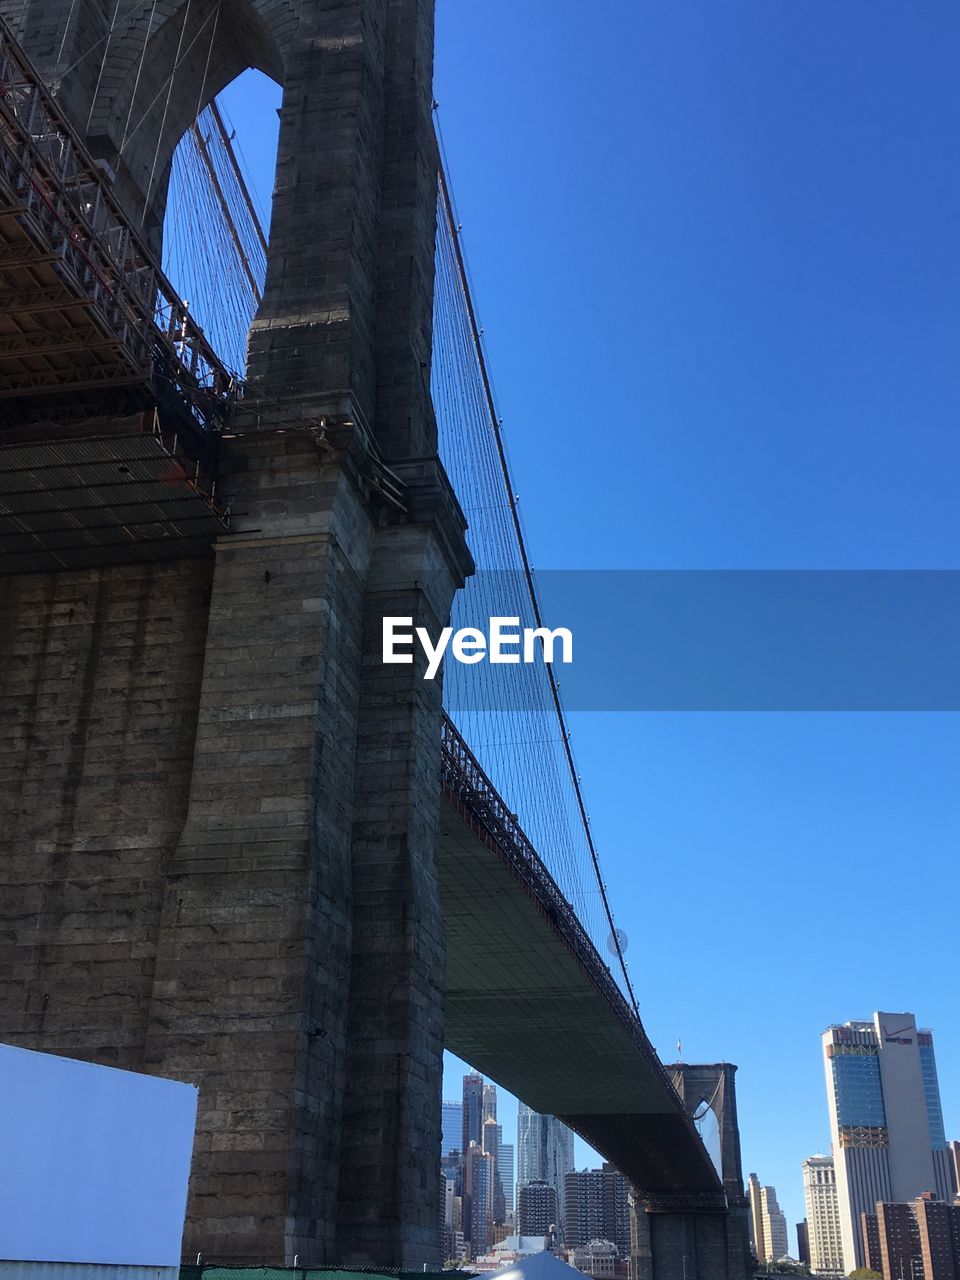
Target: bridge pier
{"x":299,"y":966}
{"x":690,"y":1244}
{"x":678,"y":1239}
{"x":389,"y":1154}
{"x":224,"y":833}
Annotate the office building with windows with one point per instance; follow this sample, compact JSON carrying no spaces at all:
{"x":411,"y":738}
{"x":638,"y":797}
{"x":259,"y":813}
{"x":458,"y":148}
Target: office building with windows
{"x":886,"y":1122}
{"x":478,"y":1196}
{"x":505,"y":1168}
{"x":823,"y":1216}
{"x":491,"y":1144}
{"x":451,"y":1128}
{"x":870,"y":1237}
{"x":489,"y":1102}
{"x":915,"y":1241}
{"x":595,"y":1207}
{"x":536,"y":1208}
{"x":472,"y":1116}
{"x":768,"y":1223}
{"x":601,"y":1259}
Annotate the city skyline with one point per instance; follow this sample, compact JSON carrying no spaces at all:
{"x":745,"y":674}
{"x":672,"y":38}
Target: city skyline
{"x":793,"y":1200}
{"x":497,"y":1187}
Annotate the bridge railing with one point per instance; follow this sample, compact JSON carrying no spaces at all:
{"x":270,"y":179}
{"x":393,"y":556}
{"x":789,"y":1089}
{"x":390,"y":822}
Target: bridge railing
{"x":63,"y":196}
{"x":467,"y":785}
{"x":478,"y":802}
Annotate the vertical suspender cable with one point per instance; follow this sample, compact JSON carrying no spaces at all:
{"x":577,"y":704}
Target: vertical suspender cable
{"x":166,"y":108}
{"x":447,"y":209}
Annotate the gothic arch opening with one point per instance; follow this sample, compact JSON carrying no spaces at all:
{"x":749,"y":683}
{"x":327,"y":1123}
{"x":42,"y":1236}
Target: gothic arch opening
{"x":217,"y":214}
{"x":708,"y":1126}
{"x":133,"y":75}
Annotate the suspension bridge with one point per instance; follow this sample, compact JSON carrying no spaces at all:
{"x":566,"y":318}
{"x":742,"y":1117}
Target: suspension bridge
{"x":242,"y":851}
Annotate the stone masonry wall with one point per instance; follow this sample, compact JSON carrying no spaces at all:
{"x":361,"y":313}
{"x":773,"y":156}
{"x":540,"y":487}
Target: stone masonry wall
{"x":254,"y":955}
{"x":99,"y":688}
{"x":689,"y":1246}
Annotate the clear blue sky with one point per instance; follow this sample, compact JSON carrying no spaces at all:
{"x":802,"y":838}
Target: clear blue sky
{"x":716,"y":248}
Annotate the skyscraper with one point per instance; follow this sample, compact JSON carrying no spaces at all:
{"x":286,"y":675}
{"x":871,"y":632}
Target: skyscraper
{"x":544,"y":1151}
{"x":472,"y":1126}
{"x":755,"y":1221}
{"x":491,"y":1144}
{"x":451,"y":1128}
{"x":478,"y":1190}
{"x":774,"y":1225}
{"x":768,"y":1224}
{"x":886,"y":1123}
{"x":823,"y":1216}
{"x":451,"y":1220}
{"x":505,"y":1168}
{"x":489,"y":1102}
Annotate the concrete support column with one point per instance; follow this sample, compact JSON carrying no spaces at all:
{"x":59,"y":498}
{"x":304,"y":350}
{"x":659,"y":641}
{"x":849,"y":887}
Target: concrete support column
{"x":255,"y":939}
{"x":389,"y":1174}
{"x":738,"y":1242}
{"x":346,"y":318}
{"x":642,"y":1260}
{"x":691,"y":1245}
{"x":313,"y":338}
{"x":405,"y":425}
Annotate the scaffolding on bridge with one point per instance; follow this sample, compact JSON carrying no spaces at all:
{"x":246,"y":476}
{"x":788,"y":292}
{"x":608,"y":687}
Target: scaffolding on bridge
{"x":111,"y":396}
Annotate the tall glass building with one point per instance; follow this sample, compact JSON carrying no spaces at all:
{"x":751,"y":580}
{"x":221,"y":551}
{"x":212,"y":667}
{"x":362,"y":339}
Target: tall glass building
{"x":886,"y":1122}
{"x":451,"y":1128}
{"x":505,"y":1169}
{"x":472,"y":1127}
{"x":544,"y":1151}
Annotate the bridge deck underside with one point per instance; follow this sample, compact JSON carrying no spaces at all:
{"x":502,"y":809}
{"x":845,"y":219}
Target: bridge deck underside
{"x":117,"y":492}
{"x":522,"y":1009}
{"x":55,"y":336}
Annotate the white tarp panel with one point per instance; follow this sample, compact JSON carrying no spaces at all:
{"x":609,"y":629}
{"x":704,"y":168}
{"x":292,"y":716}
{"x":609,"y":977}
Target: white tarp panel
{"x":95,"y":1162}
{"x":538,"y":1266}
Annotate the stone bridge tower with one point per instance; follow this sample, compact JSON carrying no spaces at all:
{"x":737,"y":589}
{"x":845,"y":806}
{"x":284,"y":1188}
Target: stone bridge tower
{"x":220,"y":810}
{"x":713,"y":1086}
{"x":683,"y":1238}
